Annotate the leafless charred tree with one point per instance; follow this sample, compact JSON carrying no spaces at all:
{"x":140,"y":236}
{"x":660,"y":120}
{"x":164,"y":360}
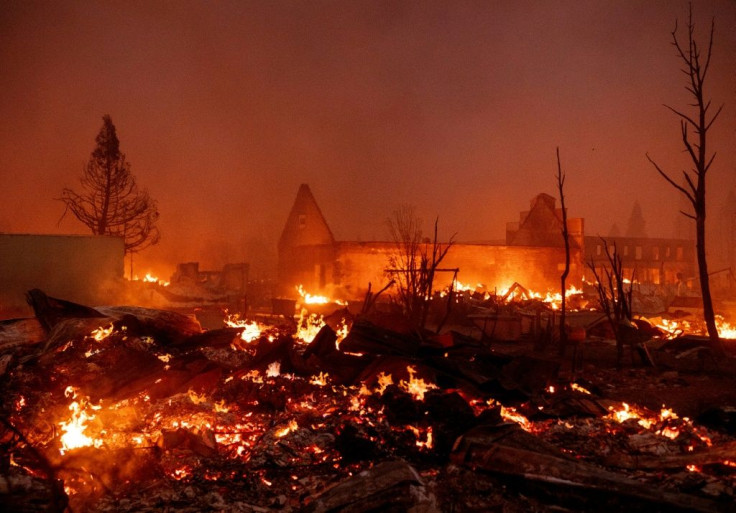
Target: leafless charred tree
{"x":695,"y":67}
{"x":566,"y":272}
{"x":613,"y":296}
{"x":414,"y":264}
{"x":110,"y":202}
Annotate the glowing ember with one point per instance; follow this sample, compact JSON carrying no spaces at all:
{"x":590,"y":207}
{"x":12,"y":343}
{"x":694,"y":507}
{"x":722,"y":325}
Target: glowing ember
{"x":416,"y":387}
{"x":181,"y":473}
{"x":671,"y":433}
{"x":510,"y":414}
{"x":274,"y":369}
{"x":667,"y":413}
{"x":578,"y":388}
{"x":429,"y":443}
{"x":627,"y":413}
{"x":74,"y":428}
{"x":101,"y":333}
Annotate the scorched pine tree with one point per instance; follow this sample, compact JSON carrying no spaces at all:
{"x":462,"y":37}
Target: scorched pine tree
{"x":110,"y":202}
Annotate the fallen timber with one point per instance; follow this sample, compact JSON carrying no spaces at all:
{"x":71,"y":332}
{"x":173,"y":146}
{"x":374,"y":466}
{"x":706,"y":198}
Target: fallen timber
{"x":198,"y":419}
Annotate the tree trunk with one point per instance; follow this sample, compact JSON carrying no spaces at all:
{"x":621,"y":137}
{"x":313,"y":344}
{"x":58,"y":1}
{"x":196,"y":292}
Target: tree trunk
{"x":566,"y":237}
{"x":708,"y":312}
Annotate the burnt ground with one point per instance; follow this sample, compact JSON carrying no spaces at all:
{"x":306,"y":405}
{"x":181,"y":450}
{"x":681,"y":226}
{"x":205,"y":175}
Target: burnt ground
{"x":689,"y":385}
{"x":493,"y":464}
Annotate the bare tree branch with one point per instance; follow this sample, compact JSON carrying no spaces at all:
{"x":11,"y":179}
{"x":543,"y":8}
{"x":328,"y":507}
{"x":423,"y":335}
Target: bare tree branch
{"x":670,"y":180}
{"x":698,"y":153}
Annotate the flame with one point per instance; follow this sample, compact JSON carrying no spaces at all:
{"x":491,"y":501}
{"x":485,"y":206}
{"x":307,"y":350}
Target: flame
{"x":320,"y":380}
{"x":553,"y":299}
{"x":308,"y":326}
{"x":672,"y":328}
{"x":251,"y":330}
{"x":285,"y":430}
{"x":310,"y":299}
{"x":195,"y":397}
{"x":666,"y":423}
{"x":341,"y":332}
{"x":463,"y":287}
{"x":725,"y":330}
{"x":220,"y":406}
{"x":416,"y":387}
{"x":151,"y":278}
{"x":384,"y":380}
{"x":75,"y":427}
{"x":675,"y":328}
{"x":428,"y":442}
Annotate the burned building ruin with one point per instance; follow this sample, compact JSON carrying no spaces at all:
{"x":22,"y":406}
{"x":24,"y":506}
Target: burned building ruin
{"x":533,"y":253}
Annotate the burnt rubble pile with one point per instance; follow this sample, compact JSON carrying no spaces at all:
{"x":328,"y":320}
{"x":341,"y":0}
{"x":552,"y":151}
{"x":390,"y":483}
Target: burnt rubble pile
{"x":132,"y":409}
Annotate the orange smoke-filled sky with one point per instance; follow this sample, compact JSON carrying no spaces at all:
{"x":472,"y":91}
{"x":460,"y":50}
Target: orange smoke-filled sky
{"x":455,"y":107}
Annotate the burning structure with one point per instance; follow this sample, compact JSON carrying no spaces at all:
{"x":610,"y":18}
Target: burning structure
{"x":533,"y":253}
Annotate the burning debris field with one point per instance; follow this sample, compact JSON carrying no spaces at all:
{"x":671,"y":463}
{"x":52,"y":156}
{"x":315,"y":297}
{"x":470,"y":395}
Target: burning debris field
{"x":133,"y":409}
